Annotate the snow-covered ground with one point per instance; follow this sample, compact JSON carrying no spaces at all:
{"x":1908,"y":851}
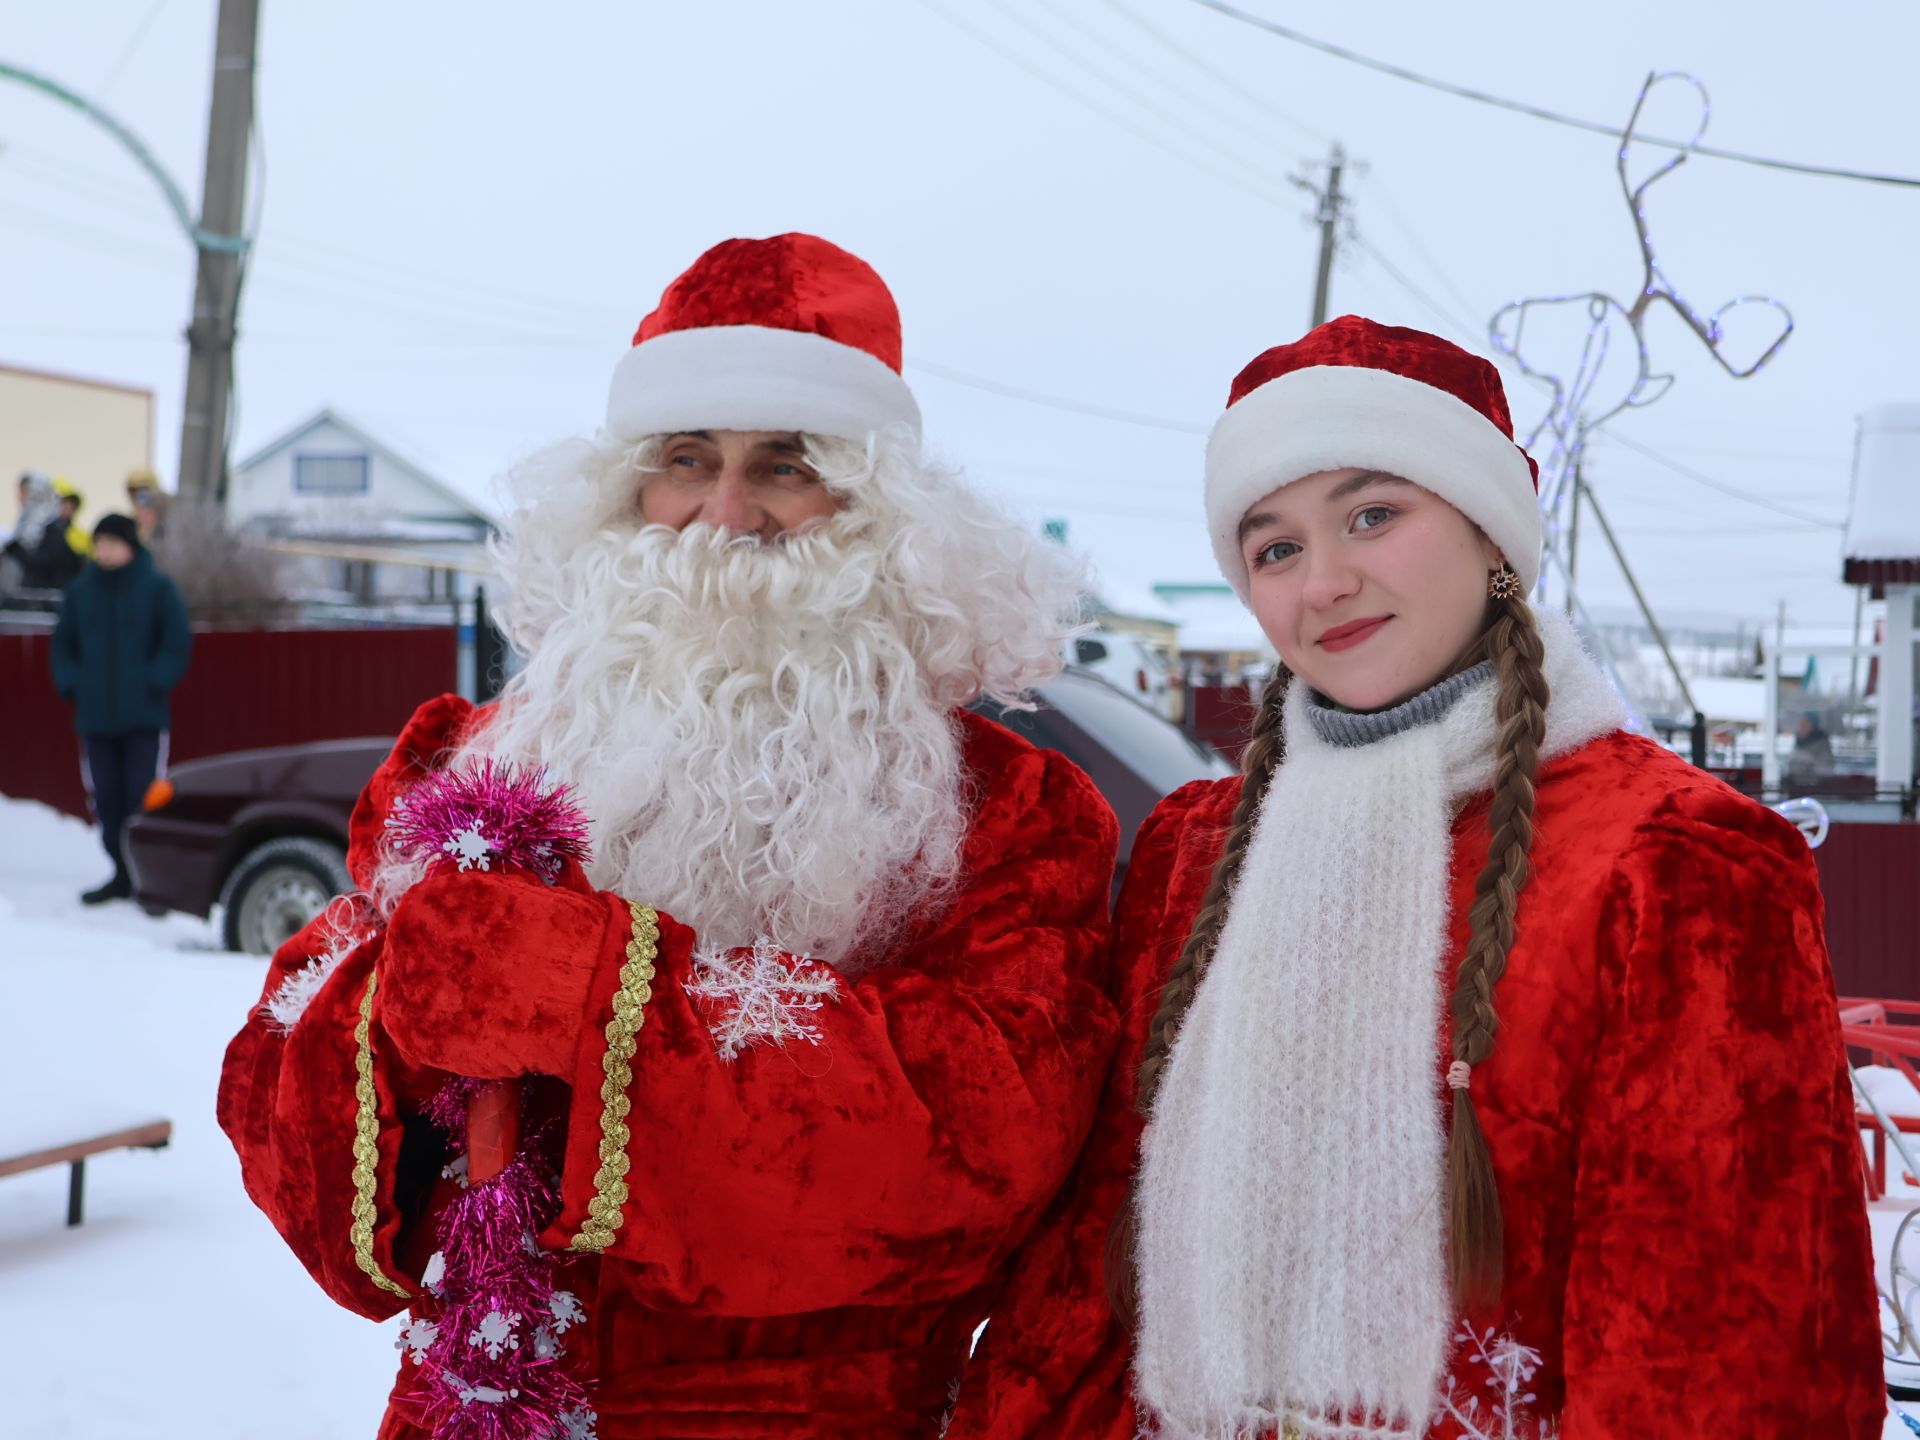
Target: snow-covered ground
{"x":174,"y":1312}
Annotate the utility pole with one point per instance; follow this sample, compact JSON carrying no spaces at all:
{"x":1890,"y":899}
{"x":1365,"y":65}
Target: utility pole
{"x":1331,"y":202}
{"x":1330,"y":206}
{"x":216,"y":291}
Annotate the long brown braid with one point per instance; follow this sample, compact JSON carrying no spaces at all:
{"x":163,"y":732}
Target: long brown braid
{"x":1475,"y":1250}
{"x":1474,"y":1239}
{"x":1266,"y":747}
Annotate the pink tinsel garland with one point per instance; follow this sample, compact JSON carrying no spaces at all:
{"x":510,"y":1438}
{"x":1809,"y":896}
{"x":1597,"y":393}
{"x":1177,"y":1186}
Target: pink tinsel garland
{"x":487,"y":812}
{"x":490,"y":1360}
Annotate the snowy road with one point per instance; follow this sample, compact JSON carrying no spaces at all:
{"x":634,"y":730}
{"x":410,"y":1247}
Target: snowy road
{"x":174,"y":1313}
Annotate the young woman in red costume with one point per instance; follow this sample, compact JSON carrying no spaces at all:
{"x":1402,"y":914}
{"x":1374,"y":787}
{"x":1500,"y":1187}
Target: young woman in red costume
{"x":1482,"y":1076}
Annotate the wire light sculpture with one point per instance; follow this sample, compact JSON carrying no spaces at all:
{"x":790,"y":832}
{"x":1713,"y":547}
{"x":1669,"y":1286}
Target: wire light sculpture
{"x":1611,"y":327}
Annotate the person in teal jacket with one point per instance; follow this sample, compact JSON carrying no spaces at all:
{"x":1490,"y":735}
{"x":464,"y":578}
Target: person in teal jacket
{"x":120,"y":647}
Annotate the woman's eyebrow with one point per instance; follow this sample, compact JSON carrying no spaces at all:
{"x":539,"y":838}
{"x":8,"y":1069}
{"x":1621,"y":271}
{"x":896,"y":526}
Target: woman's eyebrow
{"x":1360,"y":482}
{"x":1250,"y":523}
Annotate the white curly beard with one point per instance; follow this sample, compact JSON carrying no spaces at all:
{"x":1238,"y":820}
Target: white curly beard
{"x":763,"y":734}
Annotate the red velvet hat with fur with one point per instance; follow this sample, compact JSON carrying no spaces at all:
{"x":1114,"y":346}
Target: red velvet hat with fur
{"x":786,"y":333}
{"x":1353,"y":393}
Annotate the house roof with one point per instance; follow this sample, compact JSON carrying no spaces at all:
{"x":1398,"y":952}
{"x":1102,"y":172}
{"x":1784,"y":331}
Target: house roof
{"x":1133,"y":601}
{"x":327,"y":415}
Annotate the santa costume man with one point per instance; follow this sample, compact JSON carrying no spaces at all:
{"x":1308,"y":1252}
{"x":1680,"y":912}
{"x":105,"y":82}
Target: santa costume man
{"x":1481,"y":1076}
{"x":816,"y":1032}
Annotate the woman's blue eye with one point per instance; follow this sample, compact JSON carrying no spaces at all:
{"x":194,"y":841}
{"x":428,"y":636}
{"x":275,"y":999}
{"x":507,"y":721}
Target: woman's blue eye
{"x":1384,"y":512}
{"x":1276,"y":552}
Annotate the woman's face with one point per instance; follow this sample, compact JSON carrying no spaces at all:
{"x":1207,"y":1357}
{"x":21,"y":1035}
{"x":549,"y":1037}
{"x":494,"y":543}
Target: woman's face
{"x":1369,"y":587}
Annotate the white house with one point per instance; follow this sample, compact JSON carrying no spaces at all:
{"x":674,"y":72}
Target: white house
{"x":381,"y":526}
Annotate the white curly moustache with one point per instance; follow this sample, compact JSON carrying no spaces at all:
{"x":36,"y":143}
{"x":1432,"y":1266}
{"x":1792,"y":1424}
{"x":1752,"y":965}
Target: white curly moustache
{"x":750,"y":731}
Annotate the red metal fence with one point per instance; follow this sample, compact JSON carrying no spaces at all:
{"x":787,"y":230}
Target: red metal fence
{"x":1870,"y":876}
{"x":244,"y":689}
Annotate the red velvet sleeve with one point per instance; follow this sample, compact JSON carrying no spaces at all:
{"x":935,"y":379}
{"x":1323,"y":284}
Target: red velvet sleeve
{"x":1053,"y":1364}
{"x":288,"y":1097}
{"x":1721,"y":1281}
{"x":905,"y":1151}
{"x":289,"y":1105}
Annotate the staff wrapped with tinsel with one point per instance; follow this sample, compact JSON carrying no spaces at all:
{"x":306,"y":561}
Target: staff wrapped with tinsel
{"x":490,"y":1358}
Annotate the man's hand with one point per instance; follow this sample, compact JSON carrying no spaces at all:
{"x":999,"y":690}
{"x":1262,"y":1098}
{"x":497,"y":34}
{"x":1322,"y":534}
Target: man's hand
{"x":488,"y":973}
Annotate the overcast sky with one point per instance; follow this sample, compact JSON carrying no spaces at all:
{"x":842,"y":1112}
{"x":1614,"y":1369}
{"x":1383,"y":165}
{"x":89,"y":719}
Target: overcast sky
{"x":469,"y":207}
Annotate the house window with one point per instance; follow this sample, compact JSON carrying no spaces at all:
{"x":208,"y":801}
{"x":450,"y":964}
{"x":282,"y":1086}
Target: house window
{"x":330,"y":474}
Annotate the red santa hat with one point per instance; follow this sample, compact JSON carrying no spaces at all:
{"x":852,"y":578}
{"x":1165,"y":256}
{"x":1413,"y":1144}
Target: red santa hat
{"x":787,"y":333}
{"x":1355,"y":393}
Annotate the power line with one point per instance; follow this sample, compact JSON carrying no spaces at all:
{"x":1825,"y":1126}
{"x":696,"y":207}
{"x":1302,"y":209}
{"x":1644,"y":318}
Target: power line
{"x":1731,"y":491}
{"x":1201,"y":99}
{"x":1411,"y":234}
{"x":1463,"y":331}
{"x":1118,"y":117}
{"x":1120,"y":87}
{"x":1056,"y":402}
{"x":1466,"y":92}
{"x":132,"y":46}
{"x":1221,"y":77}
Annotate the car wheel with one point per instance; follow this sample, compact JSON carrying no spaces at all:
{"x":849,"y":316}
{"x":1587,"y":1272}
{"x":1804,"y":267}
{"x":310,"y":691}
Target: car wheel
{"x":277,"y":888}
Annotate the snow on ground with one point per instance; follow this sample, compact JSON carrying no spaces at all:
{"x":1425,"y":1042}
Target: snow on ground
{"x":174,"y":1311}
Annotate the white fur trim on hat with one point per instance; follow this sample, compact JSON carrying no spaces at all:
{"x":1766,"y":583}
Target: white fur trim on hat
{"x":1331,"y":417}
{"x":754,"y":377}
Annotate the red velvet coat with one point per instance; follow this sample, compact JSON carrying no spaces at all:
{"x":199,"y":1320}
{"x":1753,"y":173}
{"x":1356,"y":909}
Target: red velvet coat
{"x":812,"y":1233}
{"x":1667,"y":1110}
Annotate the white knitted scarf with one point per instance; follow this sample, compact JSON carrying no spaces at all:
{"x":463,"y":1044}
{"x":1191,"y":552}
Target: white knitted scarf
{"x":1291,"y":1200}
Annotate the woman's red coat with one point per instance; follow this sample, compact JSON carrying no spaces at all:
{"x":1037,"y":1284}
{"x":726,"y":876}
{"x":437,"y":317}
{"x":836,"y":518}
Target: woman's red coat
{"x":1667,"y":1107}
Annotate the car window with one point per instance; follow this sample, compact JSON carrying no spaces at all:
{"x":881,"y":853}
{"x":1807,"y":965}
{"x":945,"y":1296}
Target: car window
{"x":1144,"y":741}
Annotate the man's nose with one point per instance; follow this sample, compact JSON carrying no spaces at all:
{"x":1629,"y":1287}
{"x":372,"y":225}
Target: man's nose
{"x":730,"y":505}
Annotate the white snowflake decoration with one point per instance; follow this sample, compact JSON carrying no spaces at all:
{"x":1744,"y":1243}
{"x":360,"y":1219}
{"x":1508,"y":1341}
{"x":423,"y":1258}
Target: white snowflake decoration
{"x":416,"y":1338}
{"x":435,"y":1273}
{"x":545,"y":1347}
{"x":760,"y":995}
{"x":471,"y":1394}
{"x":567,"y":1311}
{"x":456,"y":1171}
{"x":496,"y":1332}
{"x":1506,"y":1413}
{"x":470,"y":848}
{"x":578,"y":1424}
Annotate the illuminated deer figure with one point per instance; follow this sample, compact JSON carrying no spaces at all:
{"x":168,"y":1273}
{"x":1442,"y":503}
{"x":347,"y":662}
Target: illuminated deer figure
{"x":1590,"y":350}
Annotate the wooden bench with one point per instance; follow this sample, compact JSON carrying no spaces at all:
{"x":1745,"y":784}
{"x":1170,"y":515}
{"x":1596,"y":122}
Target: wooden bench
{"x":153,"y":1135}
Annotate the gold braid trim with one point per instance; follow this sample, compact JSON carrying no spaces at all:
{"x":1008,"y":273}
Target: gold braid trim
{"x":366,"y":1149}
{"x":629,"y":1012}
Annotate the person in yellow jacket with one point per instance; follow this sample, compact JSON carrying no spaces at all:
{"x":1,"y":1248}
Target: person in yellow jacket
{"x":71,"y":500}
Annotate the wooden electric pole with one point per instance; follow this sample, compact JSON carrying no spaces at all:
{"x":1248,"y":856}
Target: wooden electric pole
{"x":1330,"y":213}
{"x":216,"y":290}
{"x":1331,"y":201}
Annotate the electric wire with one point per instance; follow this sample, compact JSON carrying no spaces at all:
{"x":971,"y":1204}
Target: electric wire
{"x":1539,"y":112}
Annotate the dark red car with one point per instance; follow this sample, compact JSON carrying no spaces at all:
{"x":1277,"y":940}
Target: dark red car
{"x":263,"y":833}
